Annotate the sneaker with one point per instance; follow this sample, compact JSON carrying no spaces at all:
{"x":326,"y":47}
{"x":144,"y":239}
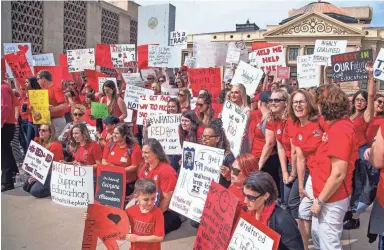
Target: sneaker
{"x":352,"y":224}
{"x":6,"y":188}
{"x":348,"y":216}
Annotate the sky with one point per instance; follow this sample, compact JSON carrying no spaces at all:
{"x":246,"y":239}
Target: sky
{"x":206,"y":16}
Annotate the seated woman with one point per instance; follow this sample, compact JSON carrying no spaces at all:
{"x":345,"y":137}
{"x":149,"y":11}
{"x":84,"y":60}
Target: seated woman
{"x":49,"y":141}
{"x":260,"y":193}
{"x":157,"y":168}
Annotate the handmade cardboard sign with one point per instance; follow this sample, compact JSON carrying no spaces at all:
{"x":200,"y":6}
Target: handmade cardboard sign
{"x":228,"y":75}
{"x":107,"y":223}
{"x":38,"y":161}
{"x":235,"y":122}
{"x":349,"y":67}
{"x":308,"y":73}
{"x":210,"y":54}
{"x":190,"y":62}
{"x":324,"y":49}
{"x":151,"y":104}
{"x":216,"y":222}
{"x":200,"y":165}
{"x":122,"y":55}
{"x":164,"y":56}
{"x":102,"y":80}
{"x":132,"y":96}
{"x":269,"y":58}
{"x":110,"y":186}
{"x":133,"y":79}
{"x":233,"y":55}
{"x":251,"y":234}
{"x":66,"y":76}
{"x":99,"y":110}
{"x":148,"y":72}
{"x":80,"y":59}
{"x":44,"y":60}
{"x":72,"y":186}
{"x":103,"y":56}
{"x":248,"y":76}
{"x":18,"y":64}
{"x":170,"y":91}
{"x":378,"y":67}
{"x":39,"y":102}
{"x":209,"y":79}
{"x":165,"y":129}
{"x":24,"y":48}
{"x":179,"y":38}
{"x":283,"y":72}
{"x":92,"y":132}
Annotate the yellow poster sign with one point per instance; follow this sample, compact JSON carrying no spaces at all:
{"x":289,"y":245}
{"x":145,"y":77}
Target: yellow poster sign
{"x":39,"y":106}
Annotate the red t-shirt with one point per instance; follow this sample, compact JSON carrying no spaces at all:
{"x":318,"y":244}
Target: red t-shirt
{"x":372,"y":129}
{"x":323,"y":124}
{"x":145,"y":224}
{"x":340,"y":143}
{"x":283,"y":136}
{"x":256,"y":136}
{"x":57,"y":150}
{"x":117,"y":111}
{"x":360,"y":128}
{"x":380,"y":187}
{"x":88,"y":154}
{"x":236,"y":190}
{"x":56,"y":97}
{"x":199,"y":132}
{"x":87,"y":117}
{"x":123,"y":157}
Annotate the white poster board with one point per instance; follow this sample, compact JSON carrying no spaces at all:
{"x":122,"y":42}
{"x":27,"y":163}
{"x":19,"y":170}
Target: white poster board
{"x":132,"y":95}
{"x":269,"y":58}
{"x":102,"y":80}
{"x":228,"y":75}
{"x":15,"y":47}
{"x":170,"y":91}
{"x":44,"y":60}
{"x":233,"y":55}
{"x":164,"y":56}
{"x":81,"y":59}
{"x":378,"y":67}
{"x":210,"y":54}
{"x":37,"y":161}
{"x":248,"y":76}
{"x":72,"y":186}
{"x":190,"y":62}
{"x":148,"y":72}
{"x":324,"y":49}
{"x":200,"y":165}
{"x":235,"y":121}
{"x":308,"y":73}
{"x":92,"y":132}
{"x":151,"y":104}
{"x":133,"y":79}
{"x":179,"y":38}
{"x":165,"y":129}
{"x":122,"y":54}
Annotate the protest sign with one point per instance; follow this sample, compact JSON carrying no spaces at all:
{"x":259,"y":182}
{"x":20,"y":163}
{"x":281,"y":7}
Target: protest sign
{"x":209,"y":79}
{"x":190,"y":62}
{"x":133,"y":79}
{"x":269,"y":58}
{"x":148,"y":72}
{"x":39,"y":102}
{"x":164,"y":56}
{"x":248,"y":76}
{"x":251,"y":234}
{"x":44,"y":60}
{"x":210,"y":54}
{"x":165,"y":129}
{"x":142,"y":56}
{"x":243,"y":49}
{"x":93,"y":79}
{"x":200,"y":165}
{"x":349,"y":67}
{"x":283,"y":72}
{"x":378,"y":67}
{"x":170,"y":91}
{"x":228,"y":75}
{"x":92,"y":132}
{"x":72,"y":186}
{"x":37,"y":161}
{"x":132,"y":96}
{"x":18,"y":64}
{"x":66,"y":76}
{"x":235,"y":122}
{"x":129,"y":115}
{"x":103,"y":56}
{"x":233,"y":55}
{"x":80,"y":59}
{"x":102,"y":80}
{"x":216,"y":222}
{"x":179,"y":38}
{"x":308,"y":73}
{"x":110,"y":186}
{"x":56,"y":72}
{"x":151,"y":104}
{"x":24,"y":48}
{"x":324,"y":49}
{"x":122,"y":55}
{"x":99,"y":110}
{"x":107,"y":223}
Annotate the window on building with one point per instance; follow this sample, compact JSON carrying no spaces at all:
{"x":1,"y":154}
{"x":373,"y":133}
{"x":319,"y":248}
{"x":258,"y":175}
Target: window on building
{"x":310,"y":50}
{"x":364,"y":84}
{"x":293,"y":53}
{"x":381,"y":85}
{"x":184,"y":55}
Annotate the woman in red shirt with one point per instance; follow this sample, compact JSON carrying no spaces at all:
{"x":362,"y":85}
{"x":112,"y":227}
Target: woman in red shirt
{"x":377,"y":120}
{"x":124,"y":151}
{"x":190,"y":128}
{"x":204,"y":106}
{"x":89,"y":98}
{"x":47,"y":139}
{"x":116,"y":105}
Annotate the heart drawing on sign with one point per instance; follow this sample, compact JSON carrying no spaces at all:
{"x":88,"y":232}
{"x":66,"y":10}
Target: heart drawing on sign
{"x":23,"y":48}
{"x":114,"y":217}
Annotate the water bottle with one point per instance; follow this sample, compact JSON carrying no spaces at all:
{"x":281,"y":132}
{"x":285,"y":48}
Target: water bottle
{"x":17,"y":179}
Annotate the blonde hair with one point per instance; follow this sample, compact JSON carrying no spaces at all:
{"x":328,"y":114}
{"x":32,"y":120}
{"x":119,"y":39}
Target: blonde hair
{"x":79,"y":107}
{"x":243,"y":94}
{"x":286,"y":96}
{"x":187,"y":97}
{"x":52,"y":136}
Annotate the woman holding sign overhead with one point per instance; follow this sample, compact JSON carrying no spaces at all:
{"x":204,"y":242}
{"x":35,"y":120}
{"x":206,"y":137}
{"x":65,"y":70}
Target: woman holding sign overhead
{"x":116,"y":105}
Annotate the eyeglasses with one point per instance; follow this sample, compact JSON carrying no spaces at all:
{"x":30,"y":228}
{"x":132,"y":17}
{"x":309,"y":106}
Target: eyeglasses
{"x":178,"y":82}
{"x":251,"y":197}
{"x":207,"y":137}
{"x":235,"y":171}
{"x":200,"y":104}
{"x":276,"y":100}
{"x":299,"y":103}
{"x":360,"y":100}
{"x":78,"y":114}
{"x":379,"y":102}
{"x":43,"y":130}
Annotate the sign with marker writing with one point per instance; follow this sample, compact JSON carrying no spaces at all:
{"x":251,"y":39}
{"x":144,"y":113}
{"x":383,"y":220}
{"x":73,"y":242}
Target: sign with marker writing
{"x":122,"y":55}
{"x":132,"y":96}
{"x":233,"y":55}
{"x":102,"y":80}
{"x":92,"y":132}
{"x":210,"y":54}
{"x":200,"y":165}
{"x":378,"y":67}
{"x":269,"y":58}
{"x":283,"y":72}
{"x":39,"y":102}
{"x":99,"y":110}
{"x":148,"y":72}
{"x":235,"y":121}
{"x":19,"y":66}
{"x":349,"y":67}
{"x":324,"y":49}
{"x":151,"y":104}
{"x":72,"y":186}
{"x":248,"y":76}
{"x":228,"y":75}
{"x":308,"y":73}
{"x":38,"y":161}
{"x":80,"y":59}
{"x":209,"y":79}
{"x":170,"y":91}
{"x":44,"y":60}
{"x":190,"y":62}
{"x":133,"y":79}
{"x":165,"y":129}
{"x":164,"y":56}
{"x":179,"y":38}
{"x":16,"y":47}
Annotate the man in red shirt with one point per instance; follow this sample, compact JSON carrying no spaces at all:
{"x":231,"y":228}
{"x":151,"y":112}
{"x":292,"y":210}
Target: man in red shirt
{"x":57,"y":104}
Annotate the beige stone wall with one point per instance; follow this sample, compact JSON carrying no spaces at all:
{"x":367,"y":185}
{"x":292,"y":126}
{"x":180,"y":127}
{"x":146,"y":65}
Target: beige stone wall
{"x":6,"y":24}
{"x":53,"y":28}
{"x":93,"y":24}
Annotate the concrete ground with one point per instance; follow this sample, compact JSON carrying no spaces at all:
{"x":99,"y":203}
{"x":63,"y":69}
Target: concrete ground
{"x":40,"y":224}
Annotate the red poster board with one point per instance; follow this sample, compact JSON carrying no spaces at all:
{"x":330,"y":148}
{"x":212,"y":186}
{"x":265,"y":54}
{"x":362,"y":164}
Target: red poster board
{"x":93,"y":78}
{"x":262,"y":45}
{"x":283,"y":72}
{"x":64,"y":68}
{"x":208,"y":78}
{"x":19,"y":66}
{"x":216,"y":222}
{"x":103,"y":56}
{"x":142,"y":57}
{"x":56,"y":72}
{"x":107,"y":223}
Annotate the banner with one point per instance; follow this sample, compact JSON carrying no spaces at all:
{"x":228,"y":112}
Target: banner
{"x":18,"y":64}
{"x":190,"y":62}
{"x":235,"y":122}
{"x":39,"y":102}
{"x":269,"y":58}
{"x":179,"y":39}
{"x":25,"y":48}
{"x":165,"y":129}
{"x":200,"y":165}
{"x":350,"y":67}
{"x":99,"y":110}
{"x":233,"y":55}
{"x":308,"y":73}
{"x":102,"y":80}
{"x":44,"y":60}
{"x":378,"y":67}
{"x":110,"y":186}
{"x":324,"y":49}
{"x":209,"y":79}
{"x":283,"y":72}
{"x":217,"y":220}
{"x":251,"y":233}
{"x":132,"y":96}
{"x":122,"y":55}
{"x":164,"y":56}
{"x":37,"y":162}
{"x":248,"y":76}
{"x":151,"y":104}
{"x":133,"y":79}
{"x":72,"y":186}
{"x":210,"y":54}
{"x":80,"y":59}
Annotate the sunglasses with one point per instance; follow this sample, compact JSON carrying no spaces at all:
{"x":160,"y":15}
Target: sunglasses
{"x":276,"y":100}
{"x":235,"y":171}
{"x":200,"y":104}
{"x":180,"y":94}
{"x":251,"y":197}
{"x":78,"y":114}
{"x":43,"y":130}
{"x":207,"y":137}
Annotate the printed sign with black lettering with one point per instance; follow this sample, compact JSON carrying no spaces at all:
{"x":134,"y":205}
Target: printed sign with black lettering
{"x":248,"y":76}
{"x":179,"y":38}
{"x":378,"y":67}
{"x":324,"y":49}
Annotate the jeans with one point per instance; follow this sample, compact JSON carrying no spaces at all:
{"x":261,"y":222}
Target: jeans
{"x":27,"y":128}
{"x":174,"y":161}
{"x":291,"y":196}
{"x":37,"y":189}
{"x":8,"y":163}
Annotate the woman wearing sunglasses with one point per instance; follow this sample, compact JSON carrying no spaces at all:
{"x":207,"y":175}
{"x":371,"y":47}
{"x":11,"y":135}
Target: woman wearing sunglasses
{"x":48,"y":140}
{"x":184,"y":97}
{"x":260,"y":194}
{"x":204,"y":106}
